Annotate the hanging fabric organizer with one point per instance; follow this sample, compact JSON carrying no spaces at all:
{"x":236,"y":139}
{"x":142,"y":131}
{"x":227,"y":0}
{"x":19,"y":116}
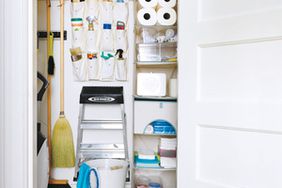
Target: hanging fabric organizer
{"x":99,"y":40}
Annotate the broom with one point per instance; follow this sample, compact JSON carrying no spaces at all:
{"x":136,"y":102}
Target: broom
{"x":49,"y":77}
{"x":62,"y":139}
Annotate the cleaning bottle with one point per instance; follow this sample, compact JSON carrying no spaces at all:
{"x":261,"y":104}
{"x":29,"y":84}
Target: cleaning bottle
{"x":107,"y":38}
{"x":120,"y":39}
{"x":121,"y":69}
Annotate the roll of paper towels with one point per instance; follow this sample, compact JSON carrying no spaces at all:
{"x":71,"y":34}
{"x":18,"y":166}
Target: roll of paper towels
{"x":167,"y":3}
{"x":148,"y":3}
{"x":147,"y":16}
{"x":166,"y":16}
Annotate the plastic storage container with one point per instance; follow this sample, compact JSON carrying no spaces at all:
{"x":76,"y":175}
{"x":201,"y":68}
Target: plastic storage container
{"x":157,"y":43}
{"x":111,"y":173}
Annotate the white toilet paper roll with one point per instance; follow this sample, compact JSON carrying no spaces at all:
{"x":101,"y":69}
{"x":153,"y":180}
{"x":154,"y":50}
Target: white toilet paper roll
{"x":167,"y":3}
{"x":166,"y":16}
{"x":148,"y":3}
{"x":147,"y":16}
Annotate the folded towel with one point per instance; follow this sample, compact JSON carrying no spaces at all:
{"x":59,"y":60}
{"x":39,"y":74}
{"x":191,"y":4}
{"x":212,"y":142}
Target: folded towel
{"x":84,"y":176}
{"x":167,"y":162}
{"x":146,"y":161}
{"x":146,"y":154}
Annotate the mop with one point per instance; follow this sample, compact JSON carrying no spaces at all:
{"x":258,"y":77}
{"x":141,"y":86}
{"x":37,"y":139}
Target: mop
{"x":62,"y":138}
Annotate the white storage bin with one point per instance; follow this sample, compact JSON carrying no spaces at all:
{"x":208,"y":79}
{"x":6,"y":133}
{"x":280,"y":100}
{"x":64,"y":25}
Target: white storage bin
{"x":111,"y":173}
{"x":146,"y":112}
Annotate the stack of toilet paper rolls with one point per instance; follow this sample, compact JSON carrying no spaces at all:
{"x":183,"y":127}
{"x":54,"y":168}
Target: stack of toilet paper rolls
{"x":157,"y":12}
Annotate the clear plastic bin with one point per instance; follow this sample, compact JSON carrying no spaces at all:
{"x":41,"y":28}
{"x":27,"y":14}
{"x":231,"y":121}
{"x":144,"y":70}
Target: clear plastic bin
{"x":157,"y":52}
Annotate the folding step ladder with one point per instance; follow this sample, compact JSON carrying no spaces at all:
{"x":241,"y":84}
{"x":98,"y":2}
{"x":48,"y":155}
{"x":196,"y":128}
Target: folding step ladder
{"x":89,"y":151}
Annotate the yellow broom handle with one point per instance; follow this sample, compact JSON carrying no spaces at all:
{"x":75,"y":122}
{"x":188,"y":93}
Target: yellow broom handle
{"x":62,"y":57}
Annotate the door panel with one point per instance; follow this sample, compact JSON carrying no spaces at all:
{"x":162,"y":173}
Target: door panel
{"x":222,"y":162}
{"x":241,"y":72}
{"x":213,"y":9}
{"x":230,"y":94}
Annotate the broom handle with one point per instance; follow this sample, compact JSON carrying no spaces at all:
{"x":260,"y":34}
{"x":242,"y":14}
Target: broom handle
{"x":62,"y":57}
{"x":49,"y":90}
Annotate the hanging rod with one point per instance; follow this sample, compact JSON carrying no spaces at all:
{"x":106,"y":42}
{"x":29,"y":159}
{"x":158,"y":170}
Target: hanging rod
{"x":56,"y":34}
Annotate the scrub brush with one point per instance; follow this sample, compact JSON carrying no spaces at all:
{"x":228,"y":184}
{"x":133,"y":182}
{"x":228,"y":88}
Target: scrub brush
{"x":51,"y":62}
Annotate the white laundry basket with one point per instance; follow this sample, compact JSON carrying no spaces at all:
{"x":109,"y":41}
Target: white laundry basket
{"x":111,"y":173}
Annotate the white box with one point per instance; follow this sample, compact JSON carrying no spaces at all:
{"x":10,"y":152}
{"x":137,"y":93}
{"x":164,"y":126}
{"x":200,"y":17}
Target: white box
{"x":146,"y":112}
{"x":151,"y":84}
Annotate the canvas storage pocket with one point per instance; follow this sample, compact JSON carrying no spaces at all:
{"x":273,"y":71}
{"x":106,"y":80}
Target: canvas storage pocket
{"x":121,"y":70}
{"x":79,"y":64}
{"x":120,"y":12}
{"x":77,"y":32}
{"x":106,"y":11}
{"x":106,"y":43}
{"x":93,"y":66}
{"x":91,"y":42}
{"x":107,"y":66}
{"x":92,"y":9}
{"x":120,"y":36}
{"x":92,"y":15}
{"x":77,"y":9}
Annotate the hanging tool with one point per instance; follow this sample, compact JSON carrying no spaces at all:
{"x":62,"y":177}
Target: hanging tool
{"x":51,"y":67}
{"x":51,"y":62}
{"x":109,"y":55}
{"x":62,"y":138}
{"x":49,"y":78}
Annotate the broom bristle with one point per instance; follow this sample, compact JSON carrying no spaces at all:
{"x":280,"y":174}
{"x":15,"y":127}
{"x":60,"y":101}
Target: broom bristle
{"x":62,"y":145}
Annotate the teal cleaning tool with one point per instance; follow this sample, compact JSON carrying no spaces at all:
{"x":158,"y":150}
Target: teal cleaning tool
{"x":109,"y":55}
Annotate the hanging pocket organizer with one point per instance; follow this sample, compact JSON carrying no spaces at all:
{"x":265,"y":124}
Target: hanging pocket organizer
{"x":93,"y":66}
{"x":107,"y":66}
{"x":120,"y":12}
{"x":99,"y":27}
{"x":79,"y":64}
{"x":106,"y":12}
{"x":106,"y":42}
{"x":120,"y":36}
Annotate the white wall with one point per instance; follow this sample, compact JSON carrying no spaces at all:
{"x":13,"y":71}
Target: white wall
{"x":2,"y":172}
{"x":72,"y":88}
{"x":17,"y":86}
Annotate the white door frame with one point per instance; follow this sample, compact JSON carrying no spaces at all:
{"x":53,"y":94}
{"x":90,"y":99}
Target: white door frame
{"x":18,"y":93}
